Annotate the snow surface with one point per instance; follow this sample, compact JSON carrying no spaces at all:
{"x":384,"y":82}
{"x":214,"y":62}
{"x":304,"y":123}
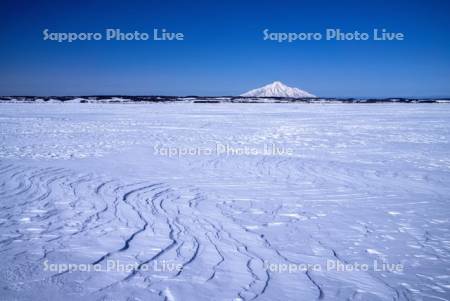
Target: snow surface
{"x":81,"y":184}
{"x":277,"y":89}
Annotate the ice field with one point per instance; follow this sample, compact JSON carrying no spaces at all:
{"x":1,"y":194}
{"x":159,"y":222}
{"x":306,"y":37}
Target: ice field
{"x":224,"y":201}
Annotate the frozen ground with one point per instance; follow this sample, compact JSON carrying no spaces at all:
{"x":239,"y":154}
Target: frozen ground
{"x":366,"y":188}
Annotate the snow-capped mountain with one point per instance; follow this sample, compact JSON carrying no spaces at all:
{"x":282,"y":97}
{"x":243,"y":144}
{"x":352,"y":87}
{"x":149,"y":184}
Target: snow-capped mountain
{"x":277,"y":89}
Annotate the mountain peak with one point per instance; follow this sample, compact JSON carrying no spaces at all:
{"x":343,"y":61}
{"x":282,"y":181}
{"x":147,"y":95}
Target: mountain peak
{"x":277,"y":89}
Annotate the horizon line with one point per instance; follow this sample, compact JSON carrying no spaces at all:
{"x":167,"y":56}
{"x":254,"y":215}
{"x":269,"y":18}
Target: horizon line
{"x":216,"y":96}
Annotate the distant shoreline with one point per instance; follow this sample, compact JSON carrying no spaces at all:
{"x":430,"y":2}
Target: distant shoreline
{"x":209,"y":99}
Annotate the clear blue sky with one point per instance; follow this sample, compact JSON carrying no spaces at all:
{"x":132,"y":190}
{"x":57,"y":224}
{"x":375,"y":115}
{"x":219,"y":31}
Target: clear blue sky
{"x":223,"y":52}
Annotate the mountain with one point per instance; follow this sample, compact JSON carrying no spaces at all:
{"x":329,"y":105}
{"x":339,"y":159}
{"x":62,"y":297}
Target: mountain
{"x":277,"y":89}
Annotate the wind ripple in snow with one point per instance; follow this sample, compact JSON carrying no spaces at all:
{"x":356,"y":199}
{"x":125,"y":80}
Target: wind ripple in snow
{"x":363,"y":186}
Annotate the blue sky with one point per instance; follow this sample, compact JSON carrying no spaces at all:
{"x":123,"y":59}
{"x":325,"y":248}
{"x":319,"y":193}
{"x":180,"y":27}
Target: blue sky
{"x":224,"y":52}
